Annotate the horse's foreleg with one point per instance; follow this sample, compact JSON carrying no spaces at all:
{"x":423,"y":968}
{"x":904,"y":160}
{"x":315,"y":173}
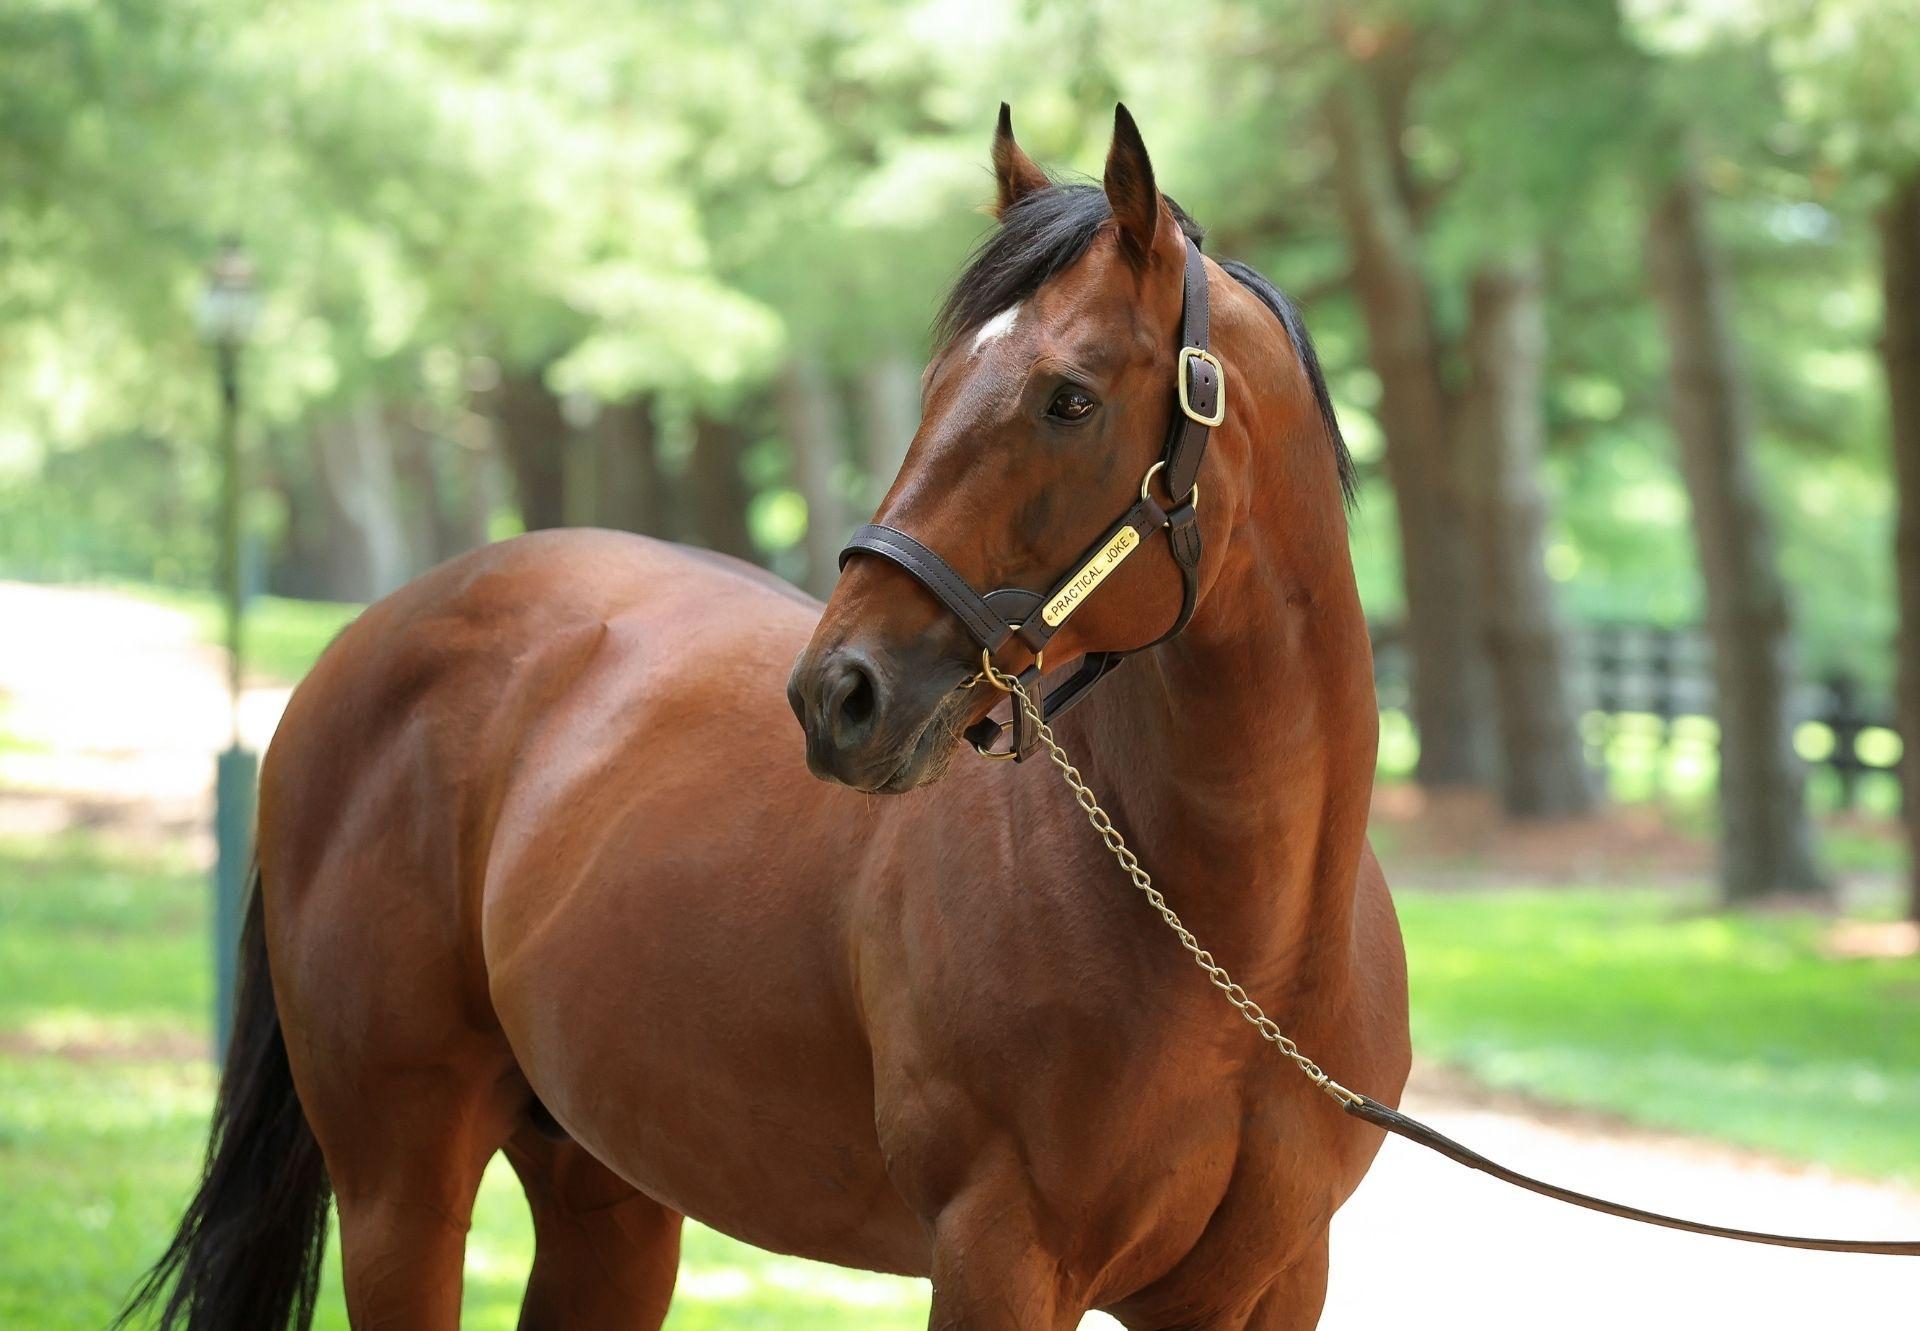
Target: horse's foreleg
{"x":1290,"y":1301}
{"x":604,"y":1256}
{"x":1294,"y":1301}
{"x":990,"y":1271}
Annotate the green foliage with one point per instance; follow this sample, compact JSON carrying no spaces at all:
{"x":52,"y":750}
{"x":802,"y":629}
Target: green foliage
{"x":671,"y":202}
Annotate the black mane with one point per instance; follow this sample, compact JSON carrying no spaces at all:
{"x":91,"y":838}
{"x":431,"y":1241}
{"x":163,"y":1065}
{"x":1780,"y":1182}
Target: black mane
{"x":1048,"y":230}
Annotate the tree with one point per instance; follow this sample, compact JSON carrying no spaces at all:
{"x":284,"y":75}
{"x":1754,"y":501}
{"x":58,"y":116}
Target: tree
{"x":890,"y":412}
{"x":630,"y":484}
{"x":1850,"y":70}
{"x":1503,"y":427}
{"x":1899,"y":221}
{"x":815,"y":425}
{"x":1766,"y":837}
{"x":1476,"y":201}
{"x":1451,"y":684}
{"x":534,"y":431}
{"x":717,"y":487}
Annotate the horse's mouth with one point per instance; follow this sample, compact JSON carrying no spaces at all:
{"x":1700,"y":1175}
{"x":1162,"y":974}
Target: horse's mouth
{"x":930,"y":753}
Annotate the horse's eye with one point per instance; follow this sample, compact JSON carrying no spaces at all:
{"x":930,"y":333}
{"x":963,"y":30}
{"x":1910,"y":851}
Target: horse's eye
{"x":1071,"y":404}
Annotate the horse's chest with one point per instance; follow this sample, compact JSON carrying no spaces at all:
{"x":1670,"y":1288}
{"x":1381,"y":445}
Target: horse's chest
{"x":1126,"y":1141}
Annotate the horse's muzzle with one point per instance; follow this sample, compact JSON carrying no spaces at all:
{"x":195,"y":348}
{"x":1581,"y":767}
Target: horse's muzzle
{"x":868,"y":723}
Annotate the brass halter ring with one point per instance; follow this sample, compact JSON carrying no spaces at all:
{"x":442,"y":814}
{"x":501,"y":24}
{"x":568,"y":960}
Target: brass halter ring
{"x":1006,"y":683}
{"x":1146,"y":484}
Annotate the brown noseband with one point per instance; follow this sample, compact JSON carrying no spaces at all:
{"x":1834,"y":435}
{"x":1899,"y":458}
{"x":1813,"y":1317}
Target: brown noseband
{"x":1199,"y":405}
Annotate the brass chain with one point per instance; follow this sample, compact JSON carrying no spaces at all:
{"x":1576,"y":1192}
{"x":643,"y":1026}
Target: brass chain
{"x":1130,"y":865}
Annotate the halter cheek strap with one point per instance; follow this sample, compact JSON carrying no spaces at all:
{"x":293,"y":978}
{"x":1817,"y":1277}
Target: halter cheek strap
{"x":1199,"y":405}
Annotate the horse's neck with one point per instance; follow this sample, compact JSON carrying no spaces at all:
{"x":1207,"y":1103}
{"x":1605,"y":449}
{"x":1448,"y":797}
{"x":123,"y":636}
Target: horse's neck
{"x":1238,"y":760}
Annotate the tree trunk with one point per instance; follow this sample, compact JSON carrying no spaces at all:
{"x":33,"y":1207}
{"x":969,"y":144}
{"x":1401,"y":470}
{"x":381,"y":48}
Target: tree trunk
{"x":719,"y":494}
{"x":630,"y":486}
{"x":367,"y":554}
{"x":534,"y":432}
{"x":816,"y":432}
{"x":1543,"y":772}
{"x":476,"y":469}
{"x":1767,"y":839}
{"x":1900,"y":352}
{"x":1450,"y":681}
{"x":890,"y":390}
{"x":420,"y":456}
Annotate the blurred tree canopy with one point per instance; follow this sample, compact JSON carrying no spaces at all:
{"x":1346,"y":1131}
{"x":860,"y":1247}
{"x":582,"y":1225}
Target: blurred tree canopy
{"x":678,"y":205}
{"x":673,"y":268}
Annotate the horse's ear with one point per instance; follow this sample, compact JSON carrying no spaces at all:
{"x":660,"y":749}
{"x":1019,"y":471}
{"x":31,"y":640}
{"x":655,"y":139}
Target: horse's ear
{"x":1015,"y":172}
{"x":1130,"y":188}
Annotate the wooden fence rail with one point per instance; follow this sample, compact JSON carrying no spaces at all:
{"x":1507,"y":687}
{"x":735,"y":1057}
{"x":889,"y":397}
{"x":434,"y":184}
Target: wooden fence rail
{"x":1658,"y":680}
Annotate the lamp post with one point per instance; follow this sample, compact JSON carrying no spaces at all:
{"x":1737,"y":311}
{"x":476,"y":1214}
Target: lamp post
{"x":226,"y":314}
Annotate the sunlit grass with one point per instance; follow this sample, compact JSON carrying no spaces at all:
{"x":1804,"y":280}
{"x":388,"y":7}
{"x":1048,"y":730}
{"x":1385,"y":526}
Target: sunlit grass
{"x":1734,"y":1027}
{"x":105,"y":958}
{"x":87,"y":936}
{"x":97,"y":1158}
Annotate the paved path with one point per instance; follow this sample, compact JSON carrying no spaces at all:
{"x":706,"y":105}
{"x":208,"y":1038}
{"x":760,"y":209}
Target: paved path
{"x":116,"y":710}
{"x":1426,"y":1243}
{"x":127,"y":710}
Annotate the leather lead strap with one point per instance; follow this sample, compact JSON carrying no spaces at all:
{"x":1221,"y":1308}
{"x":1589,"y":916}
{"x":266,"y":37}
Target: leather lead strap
{"x":1402,"y":1125}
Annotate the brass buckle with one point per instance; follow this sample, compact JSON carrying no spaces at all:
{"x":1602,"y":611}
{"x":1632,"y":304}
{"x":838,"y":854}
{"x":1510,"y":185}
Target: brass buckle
{"x":1187,"y":356}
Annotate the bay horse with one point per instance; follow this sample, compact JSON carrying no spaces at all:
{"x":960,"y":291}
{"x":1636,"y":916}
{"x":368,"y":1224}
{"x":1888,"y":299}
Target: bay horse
{"x":541,"y":871}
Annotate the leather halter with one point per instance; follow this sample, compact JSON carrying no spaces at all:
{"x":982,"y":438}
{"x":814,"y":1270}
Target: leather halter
{"x":1199,"y":405}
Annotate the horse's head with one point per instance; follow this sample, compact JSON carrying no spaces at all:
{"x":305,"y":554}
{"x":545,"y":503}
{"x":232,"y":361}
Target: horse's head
{"x":1044,"y":409}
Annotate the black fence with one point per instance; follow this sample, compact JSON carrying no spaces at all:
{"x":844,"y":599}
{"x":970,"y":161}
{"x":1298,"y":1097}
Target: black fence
{"x":1651,"y":687}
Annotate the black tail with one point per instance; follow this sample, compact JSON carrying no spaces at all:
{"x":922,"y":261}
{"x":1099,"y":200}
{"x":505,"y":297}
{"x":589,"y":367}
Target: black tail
{"x":247,"y":1254}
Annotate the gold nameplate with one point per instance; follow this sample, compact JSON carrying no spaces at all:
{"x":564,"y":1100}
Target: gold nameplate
{"x":1124,"y":543}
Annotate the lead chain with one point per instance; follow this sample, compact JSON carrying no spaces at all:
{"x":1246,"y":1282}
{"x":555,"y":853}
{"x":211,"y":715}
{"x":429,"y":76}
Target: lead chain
{"x":1130,"y":865}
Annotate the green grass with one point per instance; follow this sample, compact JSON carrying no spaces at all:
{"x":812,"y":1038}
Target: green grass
{"x":106,"y":960}
{"x":92,"y":943}
{"x":1733,"y":1027}
{"x":283,"y":637}
{"x":97,"y":1157}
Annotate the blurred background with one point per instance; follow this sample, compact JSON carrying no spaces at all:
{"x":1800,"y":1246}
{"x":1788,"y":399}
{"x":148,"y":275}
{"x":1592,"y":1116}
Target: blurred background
{"x":1620,"y":306}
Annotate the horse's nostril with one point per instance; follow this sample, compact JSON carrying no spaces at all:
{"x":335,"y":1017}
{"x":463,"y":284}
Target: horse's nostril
{"x":856,"y":707}
{"x":859,"y":703}
{"x":849,"y":702}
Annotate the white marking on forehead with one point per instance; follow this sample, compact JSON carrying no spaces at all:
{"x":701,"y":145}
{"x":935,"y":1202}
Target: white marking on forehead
{"x":998,"y":326}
